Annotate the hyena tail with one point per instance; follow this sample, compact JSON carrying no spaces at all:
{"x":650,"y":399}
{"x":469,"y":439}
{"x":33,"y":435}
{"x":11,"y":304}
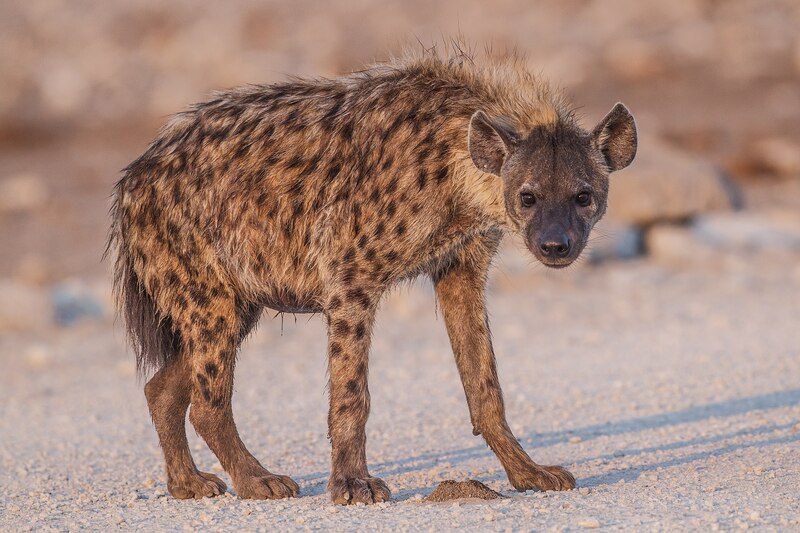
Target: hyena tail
{"x":151,"y":333}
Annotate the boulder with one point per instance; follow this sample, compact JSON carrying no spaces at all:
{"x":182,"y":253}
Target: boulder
{"x":665,"y":184}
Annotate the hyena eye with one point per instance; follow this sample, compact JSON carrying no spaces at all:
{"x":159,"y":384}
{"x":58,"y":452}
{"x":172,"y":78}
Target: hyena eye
{"x":527,"y":199}
{"x":583,"y":199}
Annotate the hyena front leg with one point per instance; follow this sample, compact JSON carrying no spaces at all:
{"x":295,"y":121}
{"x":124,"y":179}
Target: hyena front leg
{"x":460,"y":290}
{"x":168,"y":394}
{"x":213,"y":341}
{"x":350,"y":318}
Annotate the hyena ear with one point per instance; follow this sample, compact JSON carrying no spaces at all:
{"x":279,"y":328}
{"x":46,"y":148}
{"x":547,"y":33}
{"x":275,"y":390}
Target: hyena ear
{"x":615,"y":137}
{"x":490,"y":142}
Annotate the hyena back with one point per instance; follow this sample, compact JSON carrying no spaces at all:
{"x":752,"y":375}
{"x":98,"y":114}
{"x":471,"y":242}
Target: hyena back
{"x":319,"y":195}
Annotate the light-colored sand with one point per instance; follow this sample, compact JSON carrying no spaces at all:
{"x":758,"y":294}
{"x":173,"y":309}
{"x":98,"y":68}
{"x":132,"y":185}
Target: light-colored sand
{"x":673,"y":395}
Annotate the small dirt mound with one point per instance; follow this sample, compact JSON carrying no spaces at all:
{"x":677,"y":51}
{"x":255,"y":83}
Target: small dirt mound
{"x":455,"y":490}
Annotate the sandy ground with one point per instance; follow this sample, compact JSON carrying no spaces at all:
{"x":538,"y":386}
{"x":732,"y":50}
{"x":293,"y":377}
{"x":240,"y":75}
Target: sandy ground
{"x":672,"y":394}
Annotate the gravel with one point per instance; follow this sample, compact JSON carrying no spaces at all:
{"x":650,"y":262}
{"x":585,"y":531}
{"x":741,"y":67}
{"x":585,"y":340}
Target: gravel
{"x":671,"y":394}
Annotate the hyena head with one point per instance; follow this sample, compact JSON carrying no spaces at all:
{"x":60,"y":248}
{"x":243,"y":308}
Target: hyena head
{"x":555,"y":177}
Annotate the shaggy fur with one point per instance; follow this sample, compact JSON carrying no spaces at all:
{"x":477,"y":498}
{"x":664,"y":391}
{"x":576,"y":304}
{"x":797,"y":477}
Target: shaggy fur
{"x":317,"y":196}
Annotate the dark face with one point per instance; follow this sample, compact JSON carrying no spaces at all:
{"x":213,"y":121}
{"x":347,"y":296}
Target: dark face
{"x":556,"y":187}
{"x":555,"y":178}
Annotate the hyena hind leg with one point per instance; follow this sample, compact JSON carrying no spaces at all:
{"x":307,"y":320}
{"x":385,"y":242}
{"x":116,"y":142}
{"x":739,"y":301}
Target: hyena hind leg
{"x":168,"y":394}
{"x":215,"y":340}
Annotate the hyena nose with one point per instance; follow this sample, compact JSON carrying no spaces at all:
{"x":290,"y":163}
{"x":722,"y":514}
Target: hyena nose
{"x":558,"y":247}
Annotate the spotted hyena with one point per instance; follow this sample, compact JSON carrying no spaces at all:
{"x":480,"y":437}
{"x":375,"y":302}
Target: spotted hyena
{"x":316,"y":196}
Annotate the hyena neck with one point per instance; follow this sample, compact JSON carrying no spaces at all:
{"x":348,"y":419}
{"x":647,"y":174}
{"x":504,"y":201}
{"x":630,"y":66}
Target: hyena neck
{"x":482,"y":193}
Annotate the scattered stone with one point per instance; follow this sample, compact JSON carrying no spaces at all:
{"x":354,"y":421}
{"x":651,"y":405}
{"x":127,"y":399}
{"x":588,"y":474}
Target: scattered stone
{"x":666,"y":184}
{"x":613,"y":240}
{"x":749,"y":231}
{"x":589,"y":523}
{"x":38,"y":357}
{"x":584,"y":491}
{"x":674,"y":243}
{"x":454,"y":490}
{"x":73,"y":302}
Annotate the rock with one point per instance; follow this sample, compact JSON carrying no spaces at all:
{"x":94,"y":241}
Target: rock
{"x":776,"y":156}
{"x":665,"y":184}
{"x":675,"y":243}
{"x":22,"y":192}
{"x":73,"y":302}
{"x":611,"y":240}
{"x":589,"y":523}
{"x":454,"y":490}
{"x":749,"y":231}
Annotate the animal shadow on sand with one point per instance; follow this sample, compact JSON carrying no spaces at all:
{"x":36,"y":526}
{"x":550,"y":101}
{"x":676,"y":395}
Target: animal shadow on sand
{"x":728,"y":408}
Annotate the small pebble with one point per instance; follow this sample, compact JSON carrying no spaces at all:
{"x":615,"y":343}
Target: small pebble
{"x":589,"y":523}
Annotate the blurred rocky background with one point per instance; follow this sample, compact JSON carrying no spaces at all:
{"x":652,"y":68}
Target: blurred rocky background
{"x":714,"y":84}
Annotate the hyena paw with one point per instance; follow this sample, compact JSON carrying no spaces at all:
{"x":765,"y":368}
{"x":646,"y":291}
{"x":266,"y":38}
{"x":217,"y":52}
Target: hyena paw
{"x":266,"y":487}
{"x":195,"y":485}
{"x":543,"y":478}
{"x":348,"y":490}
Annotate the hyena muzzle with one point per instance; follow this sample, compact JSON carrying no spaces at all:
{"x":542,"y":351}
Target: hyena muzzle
{"x":319,"y":195}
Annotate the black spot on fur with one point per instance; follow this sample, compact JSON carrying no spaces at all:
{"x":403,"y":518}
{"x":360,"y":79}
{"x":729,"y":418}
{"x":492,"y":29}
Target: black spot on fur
{"x":211,"y":369}
{"x":362,"y":242}
{"x":199,"y":296}
{"x":349,"y":274}
{"x":441,"y":175}
{"x":400,"y":229}
{"x":352,"y":386}
{"x":295,"y":162}
{"x":379,"y":229}
{"x":359,"y":296}
{"x":422,"y":178}
{"x":336,"y":349}
{"x":375,"y":196}
{"x":360,"y":330}
{"x":335,"y":303}
{"x":356,"y":219}
{"x":347,"y":131}
{"x":334,"y":171}
{"x":392,"y":185}
{"x":341,"y":327}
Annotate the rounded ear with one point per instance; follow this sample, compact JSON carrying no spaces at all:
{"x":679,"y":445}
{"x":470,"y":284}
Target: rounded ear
{"x":615,"y":136}
{"x":489,"y":142}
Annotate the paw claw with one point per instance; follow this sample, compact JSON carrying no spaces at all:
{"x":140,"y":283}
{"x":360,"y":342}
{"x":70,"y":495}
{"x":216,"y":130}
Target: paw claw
{"x":266,"y":487}
{"x":196,"y":485}
{"x":365,"y":490}
{"x":543,"y":478}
